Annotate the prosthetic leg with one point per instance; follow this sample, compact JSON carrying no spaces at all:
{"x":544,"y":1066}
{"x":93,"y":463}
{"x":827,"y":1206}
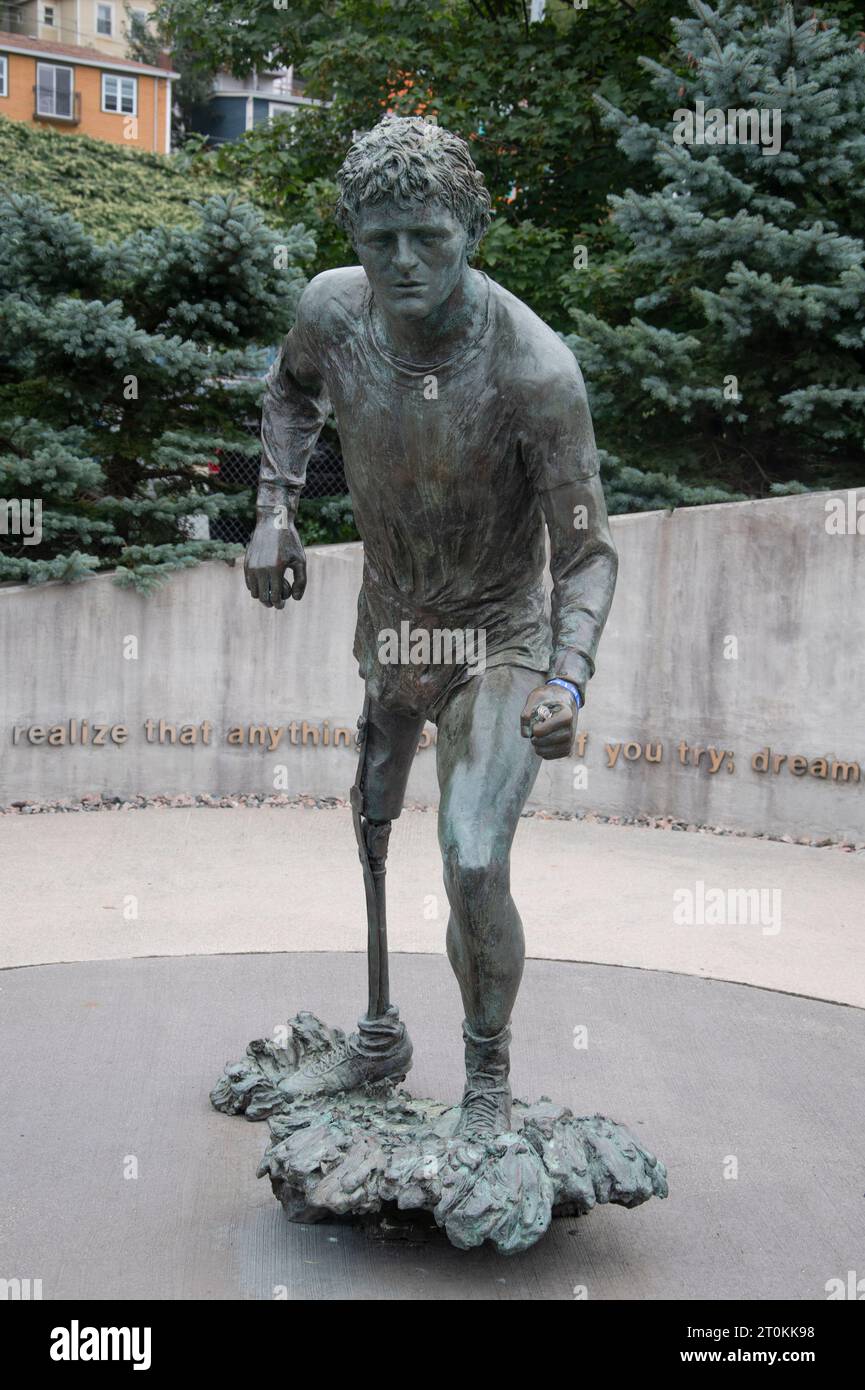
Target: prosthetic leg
{"x":372,"y":842}
{"x":381,"y":1048}
{"x":380,"y":1032}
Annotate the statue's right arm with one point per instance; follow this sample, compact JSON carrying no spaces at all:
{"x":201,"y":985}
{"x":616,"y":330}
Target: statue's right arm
{"x":294,"y":408}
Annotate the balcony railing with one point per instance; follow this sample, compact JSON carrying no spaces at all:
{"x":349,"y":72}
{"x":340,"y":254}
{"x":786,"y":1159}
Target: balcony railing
{"x":71,"y":117}
{"x":29,"y":26}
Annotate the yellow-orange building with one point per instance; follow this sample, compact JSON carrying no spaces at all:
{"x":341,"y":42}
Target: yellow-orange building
{"x":102,"y":24}
{"x":80,"y":89}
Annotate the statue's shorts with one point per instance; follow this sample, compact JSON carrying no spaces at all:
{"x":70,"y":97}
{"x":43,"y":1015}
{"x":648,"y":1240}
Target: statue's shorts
{"x":390,"y":739}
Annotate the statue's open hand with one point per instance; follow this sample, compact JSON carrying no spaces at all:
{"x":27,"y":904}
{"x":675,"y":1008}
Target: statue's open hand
{"x":552,"y":733}
{"x":271,"y":551}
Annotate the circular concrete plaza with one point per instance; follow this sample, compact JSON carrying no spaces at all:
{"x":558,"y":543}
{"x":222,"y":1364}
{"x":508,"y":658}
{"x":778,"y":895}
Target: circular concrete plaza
{"x":141,"y":951}
{"x":120,"y":1181}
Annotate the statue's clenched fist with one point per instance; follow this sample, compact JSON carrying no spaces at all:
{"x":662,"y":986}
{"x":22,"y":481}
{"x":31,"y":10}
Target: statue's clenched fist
{"x":272,"y":550}
{"x":549,"y":719}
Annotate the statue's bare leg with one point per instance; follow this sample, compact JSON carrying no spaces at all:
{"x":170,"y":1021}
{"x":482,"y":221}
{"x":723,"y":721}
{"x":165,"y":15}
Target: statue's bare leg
{"x":486,"y":771}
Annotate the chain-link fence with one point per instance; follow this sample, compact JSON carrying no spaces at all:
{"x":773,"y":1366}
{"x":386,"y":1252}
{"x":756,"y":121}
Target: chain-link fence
{"x":325,"y":477}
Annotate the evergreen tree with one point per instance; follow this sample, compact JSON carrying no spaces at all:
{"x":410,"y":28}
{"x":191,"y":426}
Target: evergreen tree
{"x":519,"y":91}
{"x":124,"y":369}
{"x":723,"y":339}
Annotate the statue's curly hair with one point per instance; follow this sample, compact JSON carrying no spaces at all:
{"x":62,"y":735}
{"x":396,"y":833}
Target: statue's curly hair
{"x":405,"y":158}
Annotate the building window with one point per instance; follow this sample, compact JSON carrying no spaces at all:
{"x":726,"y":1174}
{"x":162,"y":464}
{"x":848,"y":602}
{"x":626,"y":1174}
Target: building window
{"x":4,"y":79}
{"x":48,"y":15}
{"x":54,"y":90}
{"x":105,"y":20}
{"x":120,"y":94}
{"x":137,"y":27}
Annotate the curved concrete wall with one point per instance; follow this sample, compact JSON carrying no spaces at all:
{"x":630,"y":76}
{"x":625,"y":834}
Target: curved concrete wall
{"x":735,"y":629}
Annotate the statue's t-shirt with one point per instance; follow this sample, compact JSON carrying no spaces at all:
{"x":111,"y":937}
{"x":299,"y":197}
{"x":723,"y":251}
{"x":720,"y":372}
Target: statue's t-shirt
{"x":451,"y":470}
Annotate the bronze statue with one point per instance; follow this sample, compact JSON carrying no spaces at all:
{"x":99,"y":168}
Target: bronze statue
{"x":465,"y":433}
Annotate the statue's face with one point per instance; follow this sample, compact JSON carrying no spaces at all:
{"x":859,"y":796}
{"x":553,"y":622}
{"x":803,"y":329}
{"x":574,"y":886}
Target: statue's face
{"x":413,"y":257}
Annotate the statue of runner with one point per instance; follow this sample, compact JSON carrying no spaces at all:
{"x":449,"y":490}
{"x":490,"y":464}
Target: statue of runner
{"x":465,"y":432}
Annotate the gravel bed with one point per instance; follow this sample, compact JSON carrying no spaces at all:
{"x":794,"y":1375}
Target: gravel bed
{"x":94,"y":802}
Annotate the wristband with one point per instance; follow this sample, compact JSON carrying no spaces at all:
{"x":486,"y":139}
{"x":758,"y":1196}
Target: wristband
{"x":568,"y":685}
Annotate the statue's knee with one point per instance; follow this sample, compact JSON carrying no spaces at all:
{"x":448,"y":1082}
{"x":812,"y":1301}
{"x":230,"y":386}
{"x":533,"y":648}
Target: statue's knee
{"x":474,"y":874}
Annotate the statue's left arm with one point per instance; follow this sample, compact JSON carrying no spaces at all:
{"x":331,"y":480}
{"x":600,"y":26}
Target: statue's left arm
{"x":562,"y":462}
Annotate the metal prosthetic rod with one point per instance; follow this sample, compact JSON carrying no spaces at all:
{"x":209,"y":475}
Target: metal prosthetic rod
{"x":372,"y":841}
{"x":376,"y":836}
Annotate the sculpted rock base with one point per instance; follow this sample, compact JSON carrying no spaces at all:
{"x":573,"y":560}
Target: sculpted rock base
{"x":361,"y":1151}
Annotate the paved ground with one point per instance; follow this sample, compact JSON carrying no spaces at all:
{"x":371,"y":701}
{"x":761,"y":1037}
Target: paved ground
{"x":151,"y":945}
{"x":109,"y":1064}
{"x":208,"y":881}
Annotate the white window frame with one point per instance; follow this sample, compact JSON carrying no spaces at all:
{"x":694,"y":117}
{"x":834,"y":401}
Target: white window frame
{"x":56,"y":67}
{"x":119,"y":79}
{"x":52,"y":10}
{"x":4,"y":75}
{"x":103,"y":33}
